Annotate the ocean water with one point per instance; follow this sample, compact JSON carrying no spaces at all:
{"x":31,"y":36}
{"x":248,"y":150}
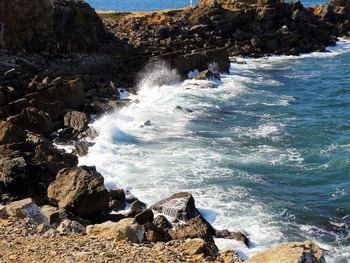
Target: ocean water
{"x":150,"y":5}
{"x":266,"y":152}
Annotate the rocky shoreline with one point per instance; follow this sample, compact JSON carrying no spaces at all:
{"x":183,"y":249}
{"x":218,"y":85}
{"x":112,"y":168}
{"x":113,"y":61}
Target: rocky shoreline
{"x":62,"y":65}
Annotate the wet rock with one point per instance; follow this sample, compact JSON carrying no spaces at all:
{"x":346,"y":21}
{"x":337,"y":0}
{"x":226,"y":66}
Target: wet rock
{"x":137,"y":207}
{"x":181,"y":109}
{"x":69,"y":227}
{"x":144,"y":217}
{"x":116,"y":199}
{"x":239,"y":236}
{"x":180,"y":205}
{"x":82,"y":147}
{"x":116,"y":205}
{"x":208,"y":75}
{"x":126,"y":229}
{"x":76,"y":120}
{"x":147,"y":123}
{"x":80,"y":190}
{"x":300,"y":252}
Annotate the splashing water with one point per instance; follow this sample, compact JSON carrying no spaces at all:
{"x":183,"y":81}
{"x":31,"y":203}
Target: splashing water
{"x":267,"y":152}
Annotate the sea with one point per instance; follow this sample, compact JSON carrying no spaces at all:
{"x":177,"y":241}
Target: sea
{"x":266,"y":152}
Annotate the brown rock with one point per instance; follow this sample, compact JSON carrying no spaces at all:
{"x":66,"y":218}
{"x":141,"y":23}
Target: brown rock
{"x":80,"y":190}
{"x":144,"y":217}
{"x":293,"y":252}
{"x":9,"y":133}
{"x":76,"y":120}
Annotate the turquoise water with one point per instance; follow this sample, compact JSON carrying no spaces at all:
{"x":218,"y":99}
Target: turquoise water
{"x":267,"y":151}
{"x":150,"y":5}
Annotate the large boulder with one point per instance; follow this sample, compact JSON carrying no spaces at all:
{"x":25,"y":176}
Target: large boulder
{"x":293,"y":252}
{"x":126,"y":229}
{"x":196,"y":227}
{"x":13,"y":173}
{"x":80,"y":190}
{"x":57,"y":25}
{"x":180,"y":206}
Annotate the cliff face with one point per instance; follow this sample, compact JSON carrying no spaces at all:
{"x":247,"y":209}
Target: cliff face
{"x":55,"y":25}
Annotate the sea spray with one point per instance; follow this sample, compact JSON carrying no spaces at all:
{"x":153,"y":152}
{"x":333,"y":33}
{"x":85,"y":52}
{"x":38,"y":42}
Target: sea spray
{"x":264,"y":152}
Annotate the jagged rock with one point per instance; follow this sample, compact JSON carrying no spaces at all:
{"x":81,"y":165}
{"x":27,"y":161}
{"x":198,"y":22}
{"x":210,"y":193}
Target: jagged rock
{"x":196,"y":227}
{"x":126,"y":229}
{"x":42,"y":228}
{"x":229,"y":256}
{"x":181,"y":109}
{"x":180,"y":205}
{"x":293,"y":252}
{"x":82,"y":147}
{"x":50,"y":26}
{"x":144,"y":217}
{"x":34,"y":120}
{"x":70,"y":227}
{"x":80,"y":190}
{"x":198,"y":247}
{"x":9,"y":133}
{"x":76,"y":120}
{"x":13,"y":173}
{"x":239,"y":236}
{"x":116,"y":205}
{"x":116,"y":199}
{"x":161,"y":222}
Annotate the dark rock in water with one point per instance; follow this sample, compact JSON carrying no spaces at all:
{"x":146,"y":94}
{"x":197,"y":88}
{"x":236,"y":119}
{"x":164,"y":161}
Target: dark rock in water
{"x":181,"y":109}
{"x":80,"y":190}
{"x":208,"y":75}
{"x":239,"y":236}
{"x":82,"y":147}
{"x":144,"y":217}
{"x":147,"y":123}
{"x":155,"y":234}
{"x":180,"y":205}
{"x":76,"y":120}
{"x":137,"y":207}
{"x":161,"y":222}
{"x":116,"y":199}
{"x":116,"y":205}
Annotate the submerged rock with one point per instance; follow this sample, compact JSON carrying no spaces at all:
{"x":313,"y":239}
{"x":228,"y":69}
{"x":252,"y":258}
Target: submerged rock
{"x":239,"y":236}
{"x":180,"y":206}
{"x":208,"y":75}
{"x":293,"y":252}
{"x":80,"y":190}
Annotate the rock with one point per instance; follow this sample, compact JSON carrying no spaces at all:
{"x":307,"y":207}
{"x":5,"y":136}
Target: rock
{"x":41,"y":25}
{"x":26,"y":208}
{"x":156,"y":234}
{"x":197,"y":246}
{"x":76,"y":120}
{"x":181,"y":109}
{"x":126,"y":229}
{"x":147,"y":123}
{"x":229,"y":256}
{"x":42,"y":228}
{"x":116,"y":194}
{"x":137,"y":207}
{"x":293,"y":252}
{"x":239,"y":236}
{"x":53,"y":215}
{"x":208,"y":75}
{"x":34,"y":120}
{"x":196,"y":227}
{"x":82,"y":147}
{"x":161,"y":222}
{"x":116,"y":205}
{"x":9,"y":133}
{"x":80,"y":190}
{"x":144,"y":217}
{"x":180,"y":205}
{"x":69,"y":227}
{"x":13,"y":174}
